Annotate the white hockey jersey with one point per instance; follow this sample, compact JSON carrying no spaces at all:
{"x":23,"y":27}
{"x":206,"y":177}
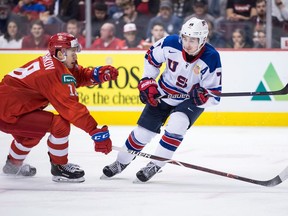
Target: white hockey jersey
{"x":180,"y":75}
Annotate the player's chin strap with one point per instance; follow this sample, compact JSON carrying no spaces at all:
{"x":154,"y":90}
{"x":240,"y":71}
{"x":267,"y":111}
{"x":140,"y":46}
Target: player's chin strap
{"x":268,"y":183}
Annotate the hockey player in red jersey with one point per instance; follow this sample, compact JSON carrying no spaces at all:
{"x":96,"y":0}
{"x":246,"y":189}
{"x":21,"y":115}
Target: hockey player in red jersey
{"x":50,"y":79}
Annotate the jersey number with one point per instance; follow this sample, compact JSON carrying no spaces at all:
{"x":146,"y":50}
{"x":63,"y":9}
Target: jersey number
{"x":73,"y":91}
{"x":21,"y":73}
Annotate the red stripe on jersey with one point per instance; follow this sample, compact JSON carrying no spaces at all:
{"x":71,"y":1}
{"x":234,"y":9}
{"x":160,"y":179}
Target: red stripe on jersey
{"x":167,"y":89}
{"x":171,"y":141}
{"x":150,"y":60}
{"x":133,"y":143}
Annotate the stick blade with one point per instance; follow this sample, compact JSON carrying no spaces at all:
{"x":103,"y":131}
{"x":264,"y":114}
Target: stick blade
{"x":277,"y":180}
{"x":285,"y":89}
{"x":284,"y":174}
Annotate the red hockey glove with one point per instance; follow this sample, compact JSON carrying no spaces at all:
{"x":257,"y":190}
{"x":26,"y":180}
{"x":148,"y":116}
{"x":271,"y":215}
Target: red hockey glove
{"x":148,"y":91}
{"x":101,"y":139}
{"x":105,"y":73}
{"x":198,"y":96}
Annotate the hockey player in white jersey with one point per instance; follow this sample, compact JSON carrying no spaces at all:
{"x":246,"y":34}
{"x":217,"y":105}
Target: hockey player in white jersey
{"x":193,"y":67}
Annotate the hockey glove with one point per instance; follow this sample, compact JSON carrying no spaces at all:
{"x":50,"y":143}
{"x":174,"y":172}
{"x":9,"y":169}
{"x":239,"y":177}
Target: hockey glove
{"x":148,"y":91}
{"x":105,"y":73}
{"x":101,"y":140}
{"x":198,"y":96}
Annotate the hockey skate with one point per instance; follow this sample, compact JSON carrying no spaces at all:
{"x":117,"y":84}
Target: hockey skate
{"x":69,"y":172}
{"x":147,"y":172}
{"x":113,"y":169}
{"x":18,"y":170}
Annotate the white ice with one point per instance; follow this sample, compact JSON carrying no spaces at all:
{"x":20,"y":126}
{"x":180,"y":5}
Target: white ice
{"x":255,"y":152}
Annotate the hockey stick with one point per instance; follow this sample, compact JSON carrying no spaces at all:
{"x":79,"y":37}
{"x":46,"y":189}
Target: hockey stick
{"x":282,"y":91}
{"x":269,"y":183}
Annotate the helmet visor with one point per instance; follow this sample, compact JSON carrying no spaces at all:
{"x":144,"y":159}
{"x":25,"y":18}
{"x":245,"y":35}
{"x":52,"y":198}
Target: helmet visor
{"x":74,"y":43}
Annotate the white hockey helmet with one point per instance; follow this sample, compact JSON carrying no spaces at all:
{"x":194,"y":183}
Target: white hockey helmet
{"x":195,"y":28}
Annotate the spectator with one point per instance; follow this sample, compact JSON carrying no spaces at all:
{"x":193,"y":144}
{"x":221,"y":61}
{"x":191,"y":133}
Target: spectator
{"x":200,"y":8}
{"x":240,"y":10}
{"x":238,"y":14}
{"x":131,"y":39}
{"x":280,"y":9}
{"x":280,"y":21}
{"x":10,"y":3}
{"x":37,"y":39}
{"x":171,"y":22}
{"x":29,"y":9}
{"x":217,"y":8}
{"x":5,"y":16}
{"x":216,"y":39}
{"x":100,"y":16}
{"x":63,"y":10}
{"x":182,"y":8}
{"x":259,"y":39}
{"x":130,"y":15}
{"x":68,"y":9}
{"x":259,"y":20}
{"x":107,"y":38}
{"x":114,"y":7}
{"x":12,"y":38}
{"x":147,"y":7}
{"x":47,"y":3}
{"x":157,"y":32}
{"x":259,"y":24}
{"x":74,"y":27}
{"x":239,"y":40}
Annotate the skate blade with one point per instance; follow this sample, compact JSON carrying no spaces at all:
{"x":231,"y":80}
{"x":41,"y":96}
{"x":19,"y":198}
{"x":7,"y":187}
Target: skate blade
{"x":61,"y":179}
{"x":104,"y":177}
{"x":137,"y":181}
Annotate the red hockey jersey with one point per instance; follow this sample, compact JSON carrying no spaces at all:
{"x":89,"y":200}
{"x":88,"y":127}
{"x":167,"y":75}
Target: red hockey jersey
{"x":42,"y":81}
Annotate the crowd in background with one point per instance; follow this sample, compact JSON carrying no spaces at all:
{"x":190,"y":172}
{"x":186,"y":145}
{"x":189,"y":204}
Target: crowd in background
{"x":137,"y":24}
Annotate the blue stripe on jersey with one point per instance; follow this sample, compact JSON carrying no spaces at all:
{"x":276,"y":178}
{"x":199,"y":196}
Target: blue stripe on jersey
{"x":133,"y":144}
{"x":219,"y":89}
{"x":173,"y":41}
{"x":171,"y":141}
{"x":150,"y":58}
{"x":216,"y":89}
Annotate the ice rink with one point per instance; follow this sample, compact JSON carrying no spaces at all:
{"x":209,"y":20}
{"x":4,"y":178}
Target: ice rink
{"x":254,"y":152}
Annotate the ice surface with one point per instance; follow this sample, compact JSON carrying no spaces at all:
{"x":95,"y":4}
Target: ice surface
{"x":257,"y":153}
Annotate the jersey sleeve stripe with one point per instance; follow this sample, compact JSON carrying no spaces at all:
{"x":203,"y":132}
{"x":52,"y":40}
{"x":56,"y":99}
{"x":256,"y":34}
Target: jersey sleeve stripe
{"x":152,"y":60}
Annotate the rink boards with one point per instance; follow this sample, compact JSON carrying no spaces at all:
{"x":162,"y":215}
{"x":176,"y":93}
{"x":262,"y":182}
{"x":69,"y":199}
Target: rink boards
{"x":117,"y":103}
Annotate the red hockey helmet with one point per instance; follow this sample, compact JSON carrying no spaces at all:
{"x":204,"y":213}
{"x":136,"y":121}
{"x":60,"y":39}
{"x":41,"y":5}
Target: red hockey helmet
{"x":62,"y":41}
